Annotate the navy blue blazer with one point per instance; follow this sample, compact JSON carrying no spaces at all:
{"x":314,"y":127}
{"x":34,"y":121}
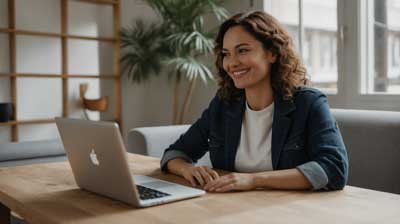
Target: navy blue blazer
{"x":304,"y":136}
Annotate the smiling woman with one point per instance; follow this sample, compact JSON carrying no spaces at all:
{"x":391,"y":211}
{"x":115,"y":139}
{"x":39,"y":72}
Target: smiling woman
{"x":264,"y":125}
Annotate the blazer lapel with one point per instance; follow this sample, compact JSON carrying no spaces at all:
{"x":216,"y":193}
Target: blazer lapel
{"x":233,"y":125}
{"x":280,"y":126}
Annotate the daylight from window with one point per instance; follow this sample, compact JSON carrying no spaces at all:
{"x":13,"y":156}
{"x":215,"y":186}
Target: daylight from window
{"x":319,"y":42}
{"x":386,"y":41}
{"x":318,"y":45}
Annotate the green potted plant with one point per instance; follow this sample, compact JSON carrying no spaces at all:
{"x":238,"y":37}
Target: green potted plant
{"x":176,"y":46}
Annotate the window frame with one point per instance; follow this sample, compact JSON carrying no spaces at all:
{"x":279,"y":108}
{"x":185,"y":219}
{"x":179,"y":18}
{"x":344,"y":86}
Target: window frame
{"x":357,"y":33}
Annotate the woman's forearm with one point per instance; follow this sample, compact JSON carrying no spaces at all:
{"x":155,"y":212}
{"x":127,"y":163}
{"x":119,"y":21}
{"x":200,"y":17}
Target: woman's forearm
{"x":176,"y":166}
{"x":291,"y":179}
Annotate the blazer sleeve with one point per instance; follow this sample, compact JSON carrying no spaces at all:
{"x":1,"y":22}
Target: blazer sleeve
{"x":193,"y":144}
{"x":328,"y":168}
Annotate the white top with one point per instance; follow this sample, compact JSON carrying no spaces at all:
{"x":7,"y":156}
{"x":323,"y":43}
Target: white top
{"x":254,"y":151}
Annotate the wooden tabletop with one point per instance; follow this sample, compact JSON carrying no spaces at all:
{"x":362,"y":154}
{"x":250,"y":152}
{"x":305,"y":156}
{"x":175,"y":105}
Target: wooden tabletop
{"x":47,"y":193}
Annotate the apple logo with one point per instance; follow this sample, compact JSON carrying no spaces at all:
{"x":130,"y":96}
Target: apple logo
{"x":93,"y":158}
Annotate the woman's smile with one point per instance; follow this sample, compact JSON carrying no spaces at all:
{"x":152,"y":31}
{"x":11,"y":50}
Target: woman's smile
{"x":238,"y":74}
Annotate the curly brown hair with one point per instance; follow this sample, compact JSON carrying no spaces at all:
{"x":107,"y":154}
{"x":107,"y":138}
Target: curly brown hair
{"x":288,"y":71}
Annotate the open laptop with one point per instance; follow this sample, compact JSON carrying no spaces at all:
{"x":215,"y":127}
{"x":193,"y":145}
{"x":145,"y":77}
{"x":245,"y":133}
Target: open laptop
{"x":98,"y":160}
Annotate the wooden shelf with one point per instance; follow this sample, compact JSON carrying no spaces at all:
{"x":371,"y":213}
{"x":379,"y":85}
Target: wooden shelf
{"x":104,"y":39}
{"x":85,"y":76}
{"x":30,"y":75}
{"x":56,"y":35}
{"x":35,"y":33}
{"x":22,"y":122}
{"x":107,"y":2}
{"x":8,"y":123}
{"x":5,"y":30}
{"x":64,"y":36}
{"x":13,"y":65}
{"x":93,"y":76}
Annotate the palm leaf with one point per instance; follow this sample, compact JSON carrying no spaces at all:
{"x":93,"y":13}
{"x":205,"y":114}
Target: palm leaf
{"x":191,"y":40}
{"x":143,"y":50}
{"x":191,"y":68}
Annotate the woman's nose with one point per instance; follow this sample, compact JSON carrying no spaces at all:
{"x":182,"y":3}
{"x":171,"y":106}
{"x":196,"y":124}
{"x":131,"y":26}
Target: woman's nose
{"x":233,"y":62}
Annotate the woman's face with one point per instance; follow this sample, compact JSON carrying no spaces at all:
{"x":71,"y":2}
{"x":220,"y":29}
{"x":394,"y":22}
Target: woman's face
{"x":245,"y":60}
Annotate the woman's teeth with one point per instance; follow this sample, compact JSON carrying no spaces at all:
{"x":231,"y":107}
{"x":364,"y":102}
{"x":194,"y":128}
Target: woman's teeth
{"x":241,"y":72}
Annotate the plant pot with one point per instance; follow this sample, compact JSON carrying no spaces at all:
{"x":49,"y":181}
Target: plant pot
{"x":6,"y":112}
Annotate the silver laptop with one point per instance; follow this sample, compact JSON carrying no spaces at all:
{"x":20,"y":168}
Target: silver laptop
{"x":98,"y":160}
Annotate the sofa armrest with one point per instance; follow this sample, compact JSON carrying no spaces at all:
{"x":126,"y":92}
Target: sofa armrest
{"x":152,"y":141}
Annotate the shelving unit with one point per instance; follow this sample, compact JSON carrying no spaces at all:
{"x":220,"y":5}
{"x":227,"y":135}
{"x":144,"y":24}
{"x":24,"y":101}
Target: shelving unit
{"x":65,"y":75}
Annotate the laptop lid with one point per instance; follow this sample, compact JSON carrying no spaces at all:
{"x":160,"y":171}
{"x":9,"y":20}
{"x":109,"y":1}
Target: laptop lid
{"x":97,"y":157}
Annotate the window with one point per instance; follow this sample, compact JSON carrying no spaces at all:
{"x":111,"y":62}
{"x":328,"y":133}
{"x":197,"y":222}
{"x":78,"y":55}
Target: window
{"x":384,"y":75}
{"x":351,"y":49}
{"x":313,"y":27}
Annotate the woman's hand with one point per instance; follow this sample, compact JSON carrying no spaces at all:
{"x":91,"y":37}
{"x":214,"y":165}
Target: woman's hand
{"x":199,"y":174}
{"x":193,"y":174}
{"x":233,"y":181}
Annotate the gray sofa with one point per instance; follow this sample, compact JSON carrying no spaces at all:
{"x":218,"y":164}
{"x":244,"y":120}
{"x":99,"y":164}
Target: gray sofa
{"x":24,"y":153}
{"x":372,"y":140}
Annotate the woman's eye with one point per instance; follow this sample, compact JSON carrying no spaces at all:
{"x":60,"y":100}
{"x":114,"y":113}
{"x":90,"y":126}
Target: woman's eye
{"x":224,"y":54}
{"x":242,"y":51}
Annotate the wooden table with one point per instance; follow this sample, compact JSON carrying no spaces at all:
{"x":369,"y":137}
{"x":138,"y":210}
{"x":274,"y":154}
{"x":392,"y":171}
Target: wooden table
{"x":47,"y":193}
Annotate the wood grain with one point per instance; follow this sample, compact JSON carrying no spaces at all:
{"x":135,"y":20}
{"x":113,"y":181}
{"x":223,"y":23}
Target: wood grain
{"x":108,"y":2}
{"x":22,"y":122}
{"x":46,"y":193}
{"x":116,"y":64}
{"x":64,"y":57}
{"x":37,"y":75}
{"x":54,"y":35}
{"x":13,"y":66}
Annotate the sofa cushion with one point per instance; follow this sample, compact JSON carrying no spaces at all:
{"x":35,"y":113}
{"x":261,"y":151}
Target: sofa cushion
{"x":28,"y":150}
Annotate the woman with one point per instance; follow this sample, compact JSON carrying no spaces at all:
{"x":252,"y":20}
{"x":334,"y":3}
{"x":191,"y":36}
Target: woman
{"x":264,"y":125}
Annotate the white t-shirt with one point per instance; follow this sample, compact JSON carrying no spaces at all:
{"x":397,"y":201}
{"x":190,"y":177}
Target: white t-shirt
{"x":254,"y":151}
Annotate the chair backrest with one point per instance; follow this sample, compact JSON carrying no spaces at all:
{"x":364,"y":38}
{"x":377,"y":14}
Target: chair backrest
{"x":372,"y":140}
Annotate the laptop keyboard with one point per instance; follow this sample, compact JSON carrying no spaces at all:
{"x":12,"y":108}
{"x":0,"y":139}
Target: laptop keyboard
{"x":148,"y":193}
